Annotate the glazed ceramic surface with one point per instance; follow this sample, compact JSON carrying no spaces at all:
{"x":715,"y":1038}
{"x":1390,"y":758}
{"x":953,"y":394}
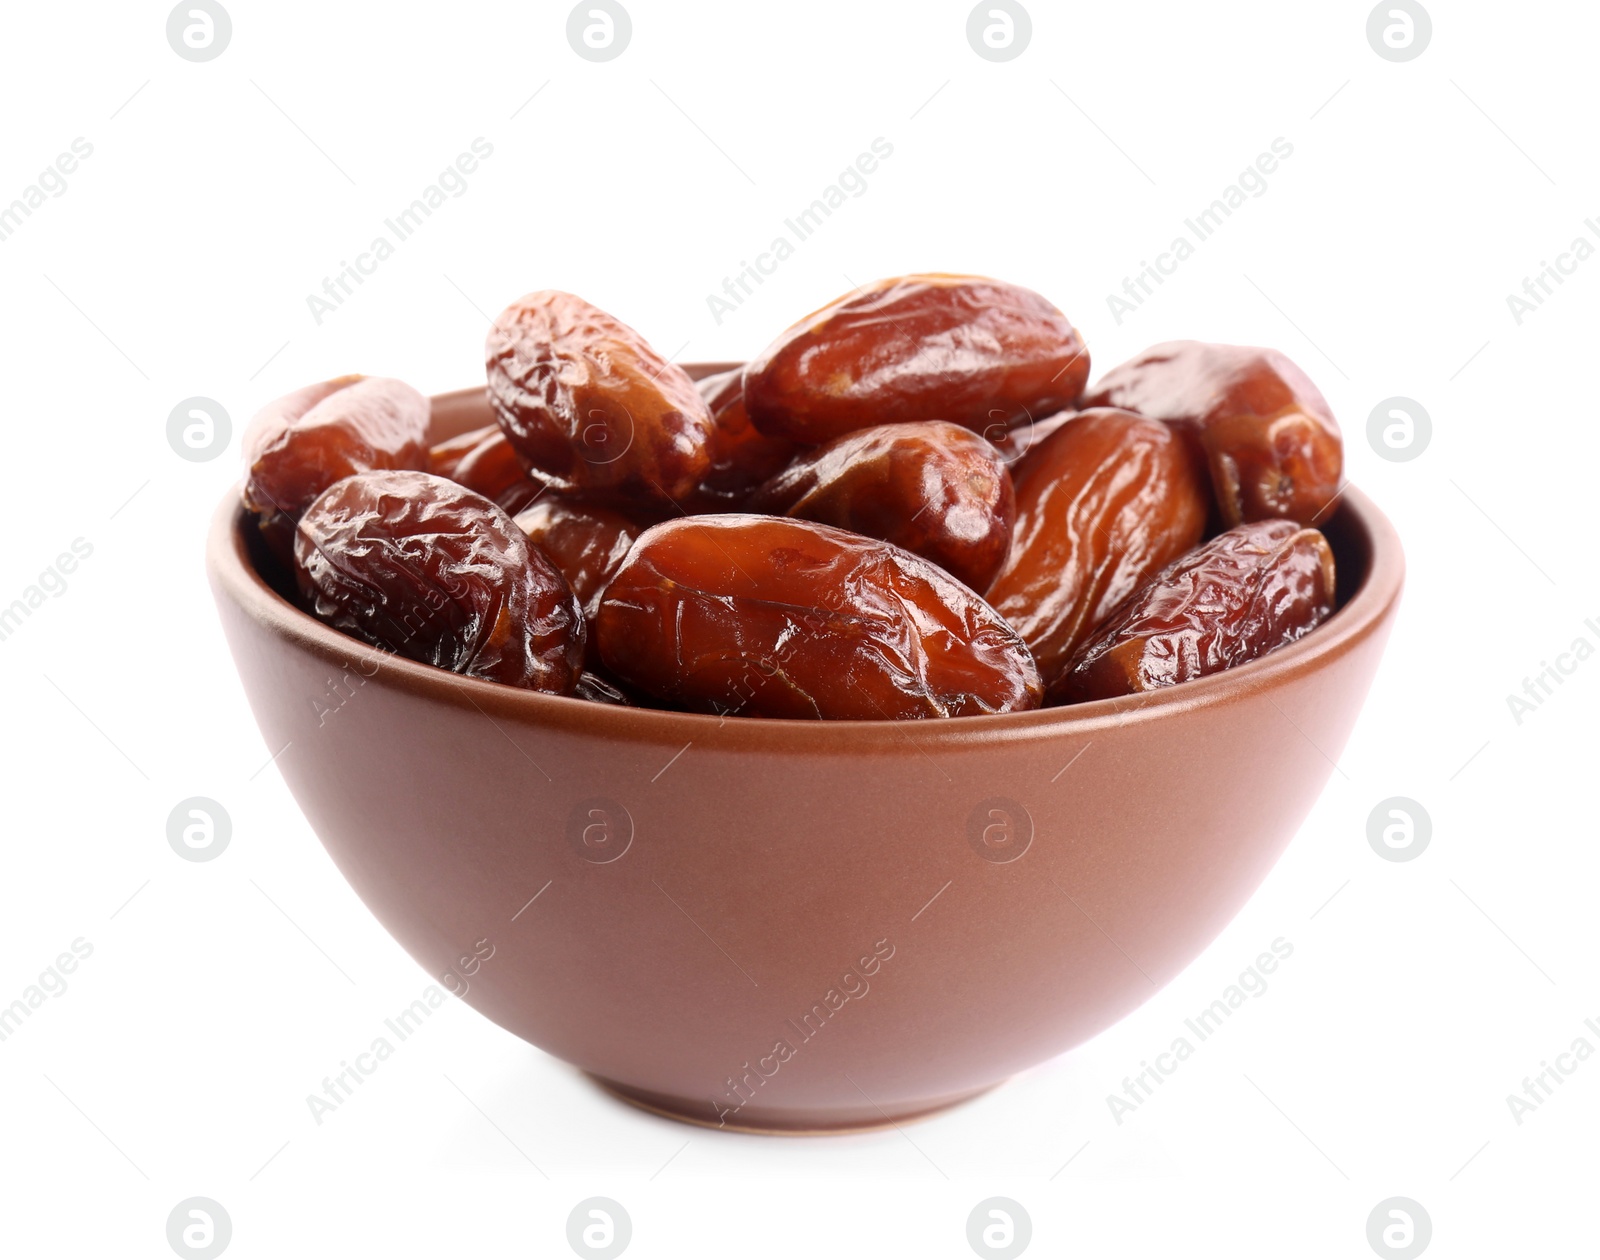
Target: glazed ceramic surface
{"x":799,"y":926}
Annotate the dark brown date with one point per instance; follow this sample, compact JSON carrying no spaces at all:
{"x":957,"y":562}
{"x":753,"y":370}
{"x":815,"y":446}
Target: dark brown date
{"x":486,"y":463}
{"x":1014,"y":444}
{"x":1267,"y":433}
{"x":932,"y":487}
{"x":491,"y":468}
{"x":598,"y":689}
{"x":1247,"y":592}
{"x":1105,"y":502}
{"x":590,"y":406}
{"x":771,"y":617}
{"x":586,"y":543}
{"x":977,"y":352}
{"x":742,"y":457}
{"x":299,"y":445}
{"x":444,"y":457}
{"x":419,"y":566}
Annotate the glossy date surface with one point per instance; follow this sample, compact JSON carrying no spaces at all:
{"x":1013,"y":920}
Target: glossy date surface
{"x":1268,"y":435}
{"x":444,"y":457}
{"x":1014,"y":444}
{"x":977,"y":352}
{"x":932,"y":487}
{"x":586,"y":543}
{"x":1245,"y":593}
{"x":742,"y":457}
{"x":417,"y":565}
{"x":590,"y":406}
{"x":771,"y":617}
{"x":298,"y":445}
{"x":1103,"y":503}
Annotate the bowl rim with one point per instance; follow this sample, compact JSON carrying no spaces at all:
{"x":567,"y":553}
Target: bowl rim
{"x":234,"y":578}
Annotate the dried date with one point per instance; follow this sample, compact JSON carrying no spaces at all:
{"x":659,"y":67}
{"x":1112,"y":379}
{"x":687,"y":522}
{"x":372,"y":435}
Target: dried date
{"x":590,"y":406}
{"x":444,"y":457}
{"x":1267,"y":433}
{"x":1014,"y":444}
{"x":299,"y":445}
{"x":934,"y":488}
{"x":1245,"y":593}
{"x":742,"y":457}
{"x":586,"y":543}
{"x":772,"y":617}
{"x":599,"y":689}
{"x":978,"y":352}
{"x":1105,"y":502}
{"x":419,"y":566}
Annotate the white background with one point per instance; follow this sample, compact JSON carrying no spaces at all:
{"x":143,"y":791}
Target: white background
{"x":177,"y":263}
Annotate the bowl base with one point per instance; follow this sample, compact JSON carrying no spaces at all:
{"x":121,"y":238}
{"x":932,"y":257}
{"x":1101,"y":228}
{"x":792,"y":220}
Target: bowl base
{"x":829,"y":1123}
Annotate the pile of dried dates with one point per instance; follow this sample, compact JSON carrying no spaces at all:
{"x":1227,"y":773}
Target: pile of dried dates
{"x":908,"y":506}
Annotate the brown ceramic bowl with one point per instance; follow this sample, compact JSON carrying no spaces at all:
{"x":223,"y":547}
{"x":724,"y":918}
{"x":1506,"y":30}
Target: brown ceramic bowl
{"x":799,"y":926}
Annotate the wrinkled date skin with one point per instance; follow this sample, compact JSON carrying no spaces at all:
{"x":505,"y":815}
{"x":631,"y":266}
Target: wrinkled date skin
{"x":1245,"y":593}
{"x":419,"y":566}
{"x":771,"y":617}
{"x":742,"y":457}
{"x":1267,"y":433}
{"x":980,"y":353}
{"x":590,"y":406}
{"x":934,"y":488}
{"x":486,"y":463}
{"x":299,"y":445}
{"x":588,"y":544}
{"x":1105,"y":502}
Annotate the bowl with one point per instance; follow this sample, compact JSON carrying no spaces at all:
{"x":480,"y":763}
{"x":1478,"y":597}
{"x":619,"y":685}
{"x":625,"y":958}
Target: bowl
{"x":791,"y":926}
